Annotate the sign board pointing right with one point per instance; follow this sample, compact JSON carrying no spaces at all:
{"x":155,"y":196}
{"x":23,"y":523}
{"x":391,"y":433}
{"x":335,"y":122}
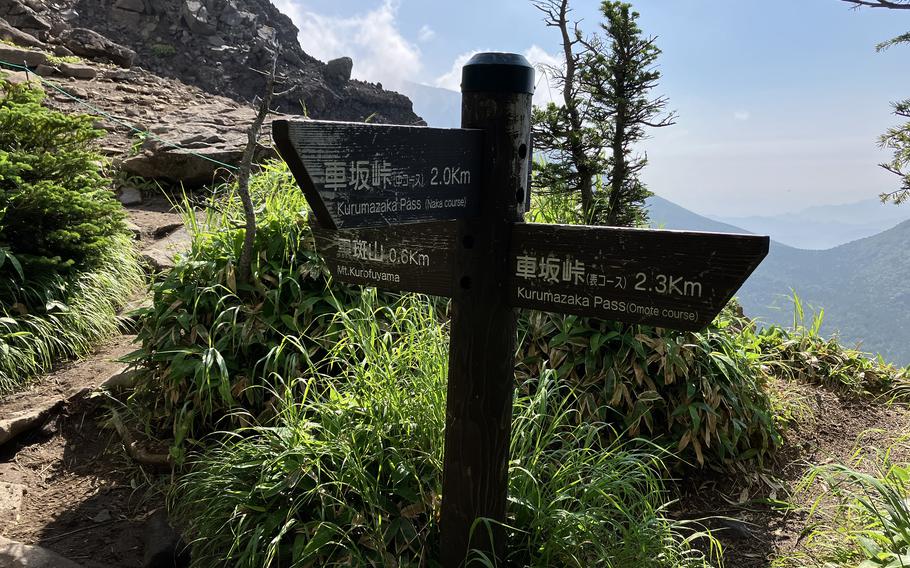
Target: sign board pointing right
{"x":372,"y":175}
{"x":674,"y":279}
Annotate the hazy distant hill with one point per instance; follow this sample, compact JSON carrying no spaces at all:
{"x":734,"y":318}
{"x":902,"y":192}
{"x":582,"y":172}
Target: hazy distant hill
{"x":439,"y":107}
{"x":863,"y":286}
{"x":825,"y":226}
{"x":668,"y":215}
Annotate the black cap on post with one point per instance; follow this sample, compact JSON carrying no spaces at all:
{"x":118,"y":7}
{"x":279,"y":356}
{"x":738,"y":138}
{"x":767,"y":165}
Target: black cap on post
{"x":497,"y":73}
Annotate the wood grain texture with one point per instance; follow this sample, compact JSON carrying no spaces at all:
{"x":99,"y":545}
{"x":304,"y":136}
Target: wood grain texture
{"x":409,"y":258}
{"x":483,"y":328}
{"x":372,"y":175}
{"x":674,"y":279}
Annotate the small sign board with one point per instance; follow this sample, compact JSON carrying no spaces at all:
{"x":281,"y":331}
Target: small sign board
{"x":410,"y":258}
{"x":674,"y":279}
{"x":370,"y":175}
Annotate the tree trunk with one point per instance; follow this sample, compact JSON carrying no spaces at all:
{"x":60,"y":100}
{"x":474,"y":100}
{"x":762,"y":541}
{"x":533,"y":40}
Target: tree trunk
{"x":244,"y":265}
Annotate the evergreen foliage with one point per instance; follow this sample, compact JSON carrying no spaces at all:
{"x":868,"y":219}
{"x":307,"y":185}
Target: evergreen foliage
{"x":620,"y":81}
{"x":588,"y":139}
{"x":896,"y":139}
{"x":57,"y":214}
{"x":66,"y":260}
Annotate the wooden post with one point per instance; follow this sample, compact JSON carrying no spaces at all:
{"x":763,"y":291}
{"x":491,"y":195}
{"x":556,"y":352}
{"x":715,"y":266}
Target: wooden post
{"x":496,"y":98}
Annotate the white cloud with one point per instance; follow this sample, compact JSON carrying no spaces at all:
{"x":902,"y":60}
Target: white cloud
{"x":742,"y":115}
{"x":545,"y":90}
{"x":371,"y":39}
{"x":451,"y":80}
{"x":426,"y":33}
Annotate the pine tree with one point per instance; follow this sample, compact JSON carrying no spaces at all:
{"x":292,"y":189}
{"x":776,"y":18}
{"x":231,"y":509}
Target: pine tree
{"x":620,"y":78}
{"x":565,"y":133}
{"x":896,"y":139}
{"x":57,"y":213}
{"x":588,"y":138}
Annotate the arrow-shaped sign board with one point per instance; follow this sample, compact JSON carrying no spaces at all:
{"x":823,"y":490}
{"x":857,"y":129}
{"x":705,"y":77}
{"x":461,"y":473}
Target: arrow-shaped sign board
{"x":673,"y":279}
{"x":371,"y":175}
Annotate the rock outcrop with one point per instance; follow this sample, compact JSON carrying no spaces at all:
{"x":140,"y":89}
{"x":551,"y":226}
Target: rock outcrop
{"x":213,"y":134}
{"x":173,"y":123}
{"x":88,"y":43}
{"x":217,"y":45}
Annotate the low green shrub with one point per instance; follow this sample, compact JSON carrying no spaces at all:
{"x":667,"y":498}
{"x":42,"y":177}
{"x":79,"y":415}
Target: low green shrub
{"x":66,"y":259}
{"x":163,"y":50}
{"x":700,"y":394}
{"x":209,"y":341}
{"x":58,"y":214}
{"x":350,"y":472}
{"x":800,"y":353}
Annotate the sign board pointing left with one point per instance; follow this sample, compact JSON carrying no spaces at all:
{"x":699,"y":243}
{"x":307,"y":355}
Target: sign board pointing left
{"x":372,"y":175}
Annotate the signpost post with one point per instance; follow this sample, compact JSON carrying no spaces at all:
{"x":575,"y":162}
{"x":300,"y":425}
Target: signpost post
{"x":496,"y":97}
{"x":440,"y":211}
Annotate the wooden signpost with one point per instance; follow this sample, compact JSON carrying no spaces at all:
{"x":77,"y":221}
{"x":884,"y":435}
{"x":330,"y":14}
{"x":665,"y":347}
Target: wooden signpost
{"x":675,"y":279}
{"x":440,"y":211}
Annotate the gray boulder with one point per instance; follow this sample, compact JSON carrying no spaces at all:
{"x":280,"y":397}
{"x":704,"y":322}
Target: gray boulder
{"x":196,"y":17}
{"x":88,"y":43}
{"x":77,"y":71}
{"x":160,"y":256}
{"x":189,"y":146}
{"x":19,"y":37}
{"x":22,"y":16}
{"x":17,"y":555}
{"x":339,"y":70}
{"x":22,"y":56}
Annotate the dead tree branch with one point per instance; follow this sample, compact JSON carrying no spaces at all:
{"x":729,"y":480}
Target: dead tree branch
{"x":244,"y":265}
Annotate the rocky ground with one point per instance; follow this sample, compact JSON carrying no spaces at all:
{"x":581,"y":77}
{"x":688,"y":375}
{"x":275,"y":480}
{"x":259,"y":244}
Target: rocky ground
{"x":157,"y":129}
{"x":221,"y":46}
{"x":67,"y":484}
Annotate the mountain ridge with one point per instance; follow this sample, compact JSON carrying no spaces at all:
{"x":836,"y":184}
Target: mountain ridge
{"x":862,"y":286}
{"x":824,"y":226}
{"x":220,"y":46}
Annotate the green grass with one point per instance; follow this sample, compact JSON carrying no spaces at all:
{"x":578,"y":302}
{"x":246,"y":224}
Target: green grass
{"x":860,"y":518}
{"x":78,"y":312}
{"x":55,"y":60}
{"x":350,"y":472}
{"x":801,"y":353}
{"x":212,"y":345}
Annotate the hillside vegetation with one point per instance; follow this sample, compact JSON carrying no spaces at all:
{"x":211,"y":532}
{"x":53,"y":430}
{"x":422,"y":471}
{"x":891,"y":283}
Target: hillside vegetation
{"x":66,"y":261}
{"x":329,"y":461}
{"x":861,"y":286}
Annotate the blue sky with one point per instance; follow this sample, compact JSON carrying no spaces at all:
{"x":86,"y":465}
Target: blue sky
{"x":780,"y":102}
